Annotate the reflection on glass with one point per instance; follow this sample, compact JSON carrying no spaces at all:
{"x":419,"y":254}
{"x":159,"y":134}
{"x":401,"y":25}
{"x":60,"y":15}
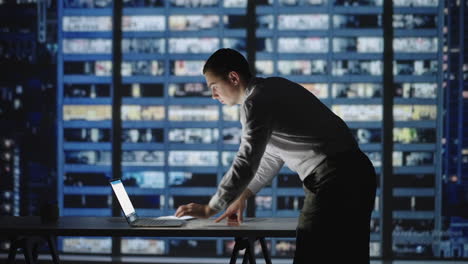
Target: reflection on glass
{"x":86,"y":112}
{"x":189,"y":179}
{"x":232,"y":135}
{"x":137,"y":90}
{"x":320,"y":90}
{"x":143,"y":45}
{"x":235,"y":22}
{"x":86,"y":245}
{"x":142,"y":158}
{"x":227,"y":158}
{"x":146,"y":3}
{"x":412,"y":237}
{"x":193,"y":22}
{"x":415,"y":3}
{"x":358,"y":112}
{"x":88,"y":201}
{"x":285,"y":248}
{"x":86,"y":23}
{"x":265,"y":22}
{"x":357,"y":90}
{"x":194,"y":3}
{"x":104,"y":46}
{"x":193,"y":113}
{"x":412,"y":180}
{"x":142,"y":246}
{"x":303,"y":22}
{"x":374,"y":112}
{"x":302,"y":67}
{"x":86,"y":179}
{"x":192,"y":247}
{"x":193,"y":158}
{"x":88,"y":157}
{"x":290,"y":202}
{"x":263,"y":203}
{"x":87,"y":3}
{"x":132,"y":68}
{"x":193,"y":135}
{"x":187,"y":68}
{"x":416,"y":90}
{"x":414,"y":112}
{"x":142,"y":113}
{"x":404,"y":158}
{"x":357,"y":21}
{"x":189,"y":90}
{"x":243,"y":3}
{"x":104,"y":68}
{"x":144,"y":179}
{"x":358,"y":2}
{"x":357,"y":67}
{"x":415,"y":67}
{"x":239,"y":44}
{"x":409,"y":135}
{"x":87,"y":46}
{"x":415,"y":44}
{"x":303,"y":45}
{"x":86,"y":134}
{"x":143,"y":23}
{"x":143,"y":135}
{"x":414,"y":21}
{"x":374,"y":249}
{"x":231,"y":113}
{"x":193,"y":45}
{"x":86,"y":90}
{"x":367,"y":135}
{"x":358,"y":44}
{"x":264,"y":67}
{"x":302,"y":2}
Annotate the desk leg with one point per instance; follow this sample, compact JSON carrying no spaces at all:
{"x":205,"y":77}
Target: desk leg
{"x":12,"y":251}
{"x":29,"y":244}
{"x":250,"y":250}
{"x":235,"y":251}
{"x":53,"y":249}
{"x":266,"y":254}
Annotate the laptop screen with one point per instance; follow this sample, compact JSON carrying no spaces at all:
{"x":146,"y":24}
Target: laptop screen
{"x":123,"y":198}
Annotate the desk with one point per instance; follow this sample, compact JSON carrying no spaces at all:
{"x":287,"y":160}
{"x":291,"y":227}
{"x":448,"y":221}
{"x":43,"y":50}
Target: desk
{"x":252,"y":229}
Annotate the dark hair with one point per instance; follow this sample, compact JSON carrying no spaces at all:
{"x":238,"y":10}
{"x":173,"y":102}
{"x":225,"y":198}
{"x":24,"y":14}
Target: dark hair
{"x":223,"y":61}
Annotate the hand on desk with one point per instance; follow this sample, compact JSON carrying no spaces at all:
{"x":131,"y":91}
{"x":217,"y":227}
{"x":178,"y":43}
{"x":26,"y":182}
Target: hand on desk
{"x":234,"y":212}
{"x":236,"y":208}
{"x":194,"y":209}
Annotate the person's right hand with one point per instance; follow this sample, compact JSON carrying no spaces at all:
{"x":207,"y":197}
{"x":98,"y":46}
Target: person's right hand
{"x":236,"y":208}
{"x":196,"y":210}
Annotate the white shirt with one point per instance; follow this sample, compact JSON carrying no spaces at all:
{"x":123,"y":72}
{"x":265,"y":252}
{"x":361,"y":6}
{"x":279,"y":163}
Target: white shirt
{"x":282,"y":123}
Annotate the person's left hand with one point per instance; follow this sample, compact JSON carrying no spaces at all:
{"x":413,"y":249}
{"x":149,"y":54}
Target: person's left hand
{"x":194,"y":209}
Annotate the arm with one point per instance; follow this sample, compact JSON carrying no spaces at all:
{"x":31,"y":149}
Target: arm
{"x":269,"y":167}
{"x":257,"y":129}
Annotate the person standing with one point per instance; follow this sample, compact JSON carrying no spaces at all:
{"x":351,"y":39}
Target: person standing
{"x":285,"y":124}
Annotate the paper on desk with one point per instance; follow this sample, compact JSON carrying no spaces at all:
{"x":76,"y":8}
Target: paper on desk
{"x":173,"y":217}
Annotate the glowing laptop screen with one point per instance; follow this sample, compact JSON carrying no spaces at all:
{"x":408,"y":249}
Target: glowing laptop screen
{"x":123,"y":198}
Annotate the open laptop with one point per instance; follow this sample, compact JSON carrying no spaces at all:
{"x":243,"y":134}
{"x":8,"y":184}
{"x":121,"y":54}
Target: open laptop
{"x":130,"y":213}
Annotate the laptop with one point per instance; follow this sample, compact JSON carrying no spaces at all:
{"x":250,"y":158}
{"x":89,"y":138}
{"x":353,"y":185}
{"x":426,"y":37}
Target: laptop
{"x":130,"y":213}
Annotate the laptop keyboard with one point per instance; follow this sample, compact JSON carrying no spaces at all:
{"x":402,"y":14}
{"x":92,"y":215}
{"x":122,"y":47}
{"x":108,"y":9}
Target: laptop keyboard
{"x":155,"y":222}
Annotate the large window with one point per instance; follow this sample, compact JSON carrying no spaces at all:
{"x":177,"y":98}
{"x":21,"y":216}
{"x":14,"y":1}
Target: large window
{"x":177,"y":143}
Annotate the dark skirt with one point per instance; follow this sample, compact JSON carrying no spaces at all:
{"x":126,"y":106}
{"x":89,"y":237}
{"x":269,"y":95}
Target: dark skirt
{"x":334,"y":223}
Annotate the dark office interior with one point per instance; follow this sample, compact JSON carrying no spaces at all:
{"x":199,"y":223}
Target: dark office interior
{"x":92,"y":90}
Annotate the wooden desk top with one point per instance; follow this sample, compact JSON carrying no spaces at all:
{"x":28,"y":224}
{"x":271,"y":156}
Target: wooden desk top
{"x":117,"y":226}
